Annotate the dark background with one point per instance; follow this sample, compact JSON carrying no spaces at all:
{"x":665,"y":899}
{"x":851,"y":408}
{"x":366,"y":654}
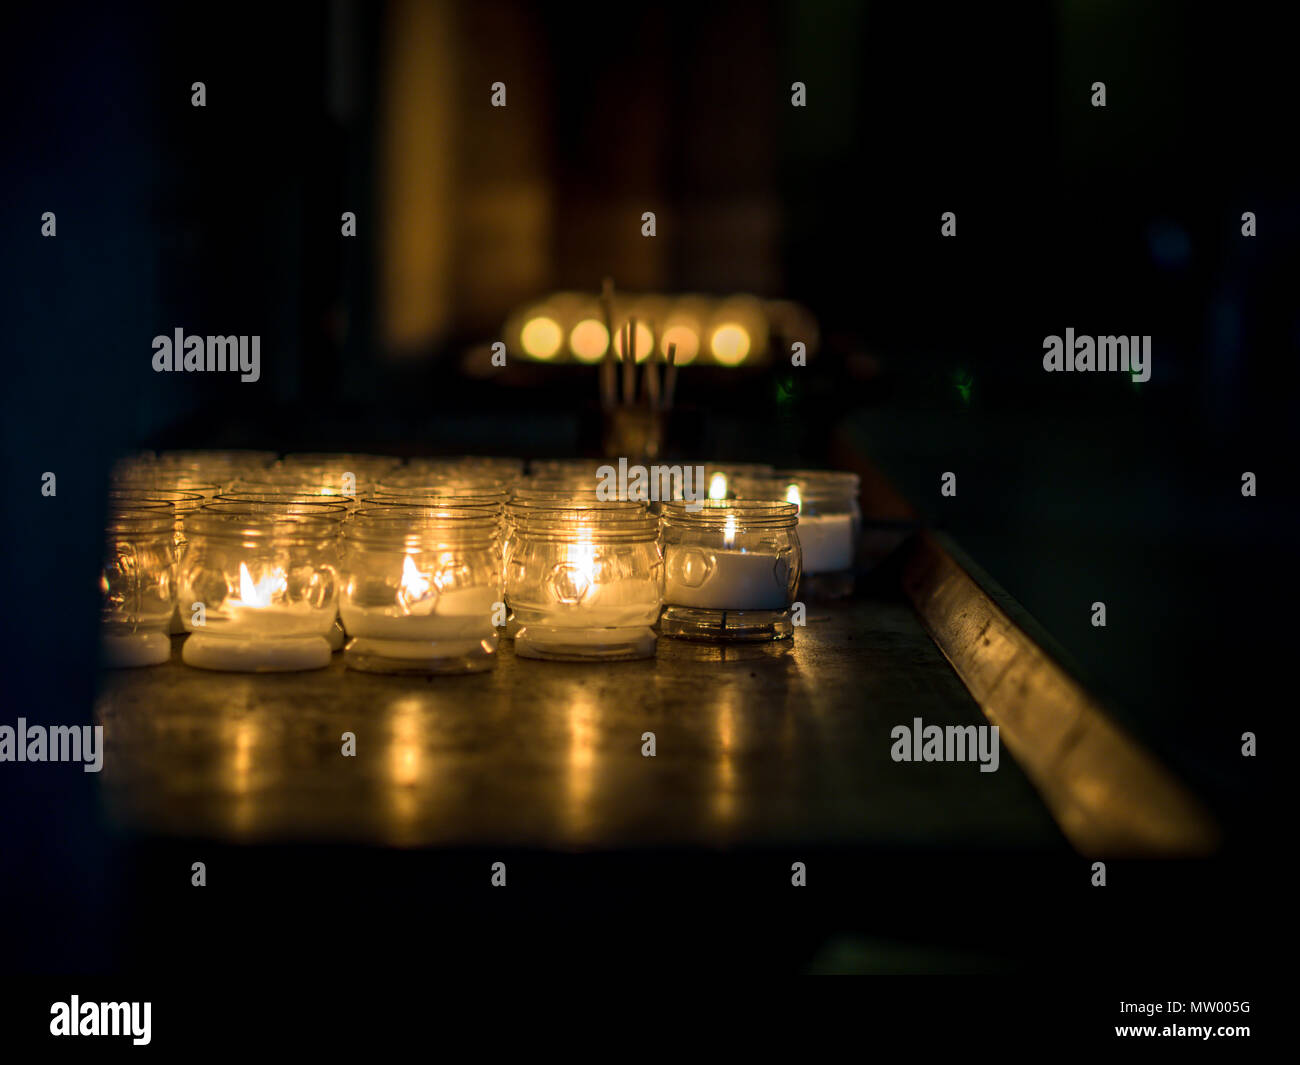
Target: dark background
{"x":1071,"y":488}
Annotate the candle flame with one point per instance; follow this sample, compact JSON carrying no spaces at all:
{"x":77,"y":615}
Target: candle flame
{"x":262,"y":592}
{"x":792,"y":496}
{"x":414,"y":584}
{"x":584,"y":558}
{"x":413,"y":594}
{"x":729,"y":530}
{"x":718,"y":486}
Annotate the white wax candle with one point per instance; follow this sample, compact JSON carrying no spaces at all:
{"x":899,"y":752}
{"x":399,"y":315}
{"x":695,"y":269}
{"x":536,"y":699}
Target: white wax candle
{"x":462,"y":614}
{"x":827,"y":542}
{"x":734,"y":580}
{"x":642,"y":612}
{"x":297,"y":619}
{"x":232,"y":654}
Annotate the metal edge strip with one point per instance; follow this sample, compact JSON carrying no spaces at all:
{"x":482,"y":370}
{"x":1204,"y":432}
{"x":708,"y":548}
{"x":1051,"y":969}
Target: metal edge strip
{"x":1107,"y":794}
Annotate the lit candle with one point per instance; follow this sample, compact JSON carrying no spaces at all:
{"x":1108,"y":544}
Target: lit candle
{"x":259,"y":586}
{"x":726,"y":579}
{"x":583,"y":578}
{"x":732,"y":568}
{"x":826,"y":539}
{"x":422,"y":586}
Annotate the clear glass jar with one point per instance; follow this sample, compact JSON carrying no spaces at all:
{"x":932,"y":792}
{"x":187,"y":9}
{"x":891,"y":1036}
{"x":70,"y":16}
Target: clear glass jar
{"x":339,"y":508}
{"x":259,"y":585}
{"x":182,"y":502}
{"x":421,"y":589}
{"x":830,"y":524}
{"x":584,"y":580}
{"x":732,"y":569}
{"x":137,"y":583}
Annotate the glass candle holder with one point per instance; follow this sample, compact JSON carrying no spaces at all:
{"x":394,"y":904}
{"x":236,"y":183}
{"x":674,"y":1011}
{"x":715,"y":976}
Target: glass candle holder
{"x":732,"y":568}
{"x":535,"y":495}
{"x":584,"y":580}
{"x":830,"y":524}
{"x":340,"y":507}
{"x":137,"y":584}
{"x":182,"y":502}
{"x":266,"y":578}
{"x":421,"y":586}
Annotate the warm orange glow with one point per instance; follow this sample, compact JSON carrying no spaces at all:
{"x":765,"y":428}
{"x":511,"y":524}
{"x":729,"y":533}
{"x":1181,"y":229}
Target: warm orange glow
{"x":718,"y":486}
{"x":589,"y":340}
{"x":645,"y":342}
{"x":729,"y":530}
{"x":541,"y":337}
{"x":687,"y":341}
{"x":730,"y":343}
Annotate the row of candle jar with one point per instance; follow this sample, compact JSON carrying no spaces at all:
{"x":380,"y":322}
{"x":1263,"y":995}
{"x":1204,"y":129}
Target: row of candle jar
{"x":262,"y":585}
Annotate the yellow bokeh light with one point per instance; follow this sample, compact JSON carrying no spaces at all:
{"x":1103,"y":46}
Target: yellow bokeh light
{"x":588,"y":340}
{"x":541,"y":337}
{"x":645,"y":342}
{"x":718,"y":486}
{"x":687,"y":341}
{"x":730,"y":343}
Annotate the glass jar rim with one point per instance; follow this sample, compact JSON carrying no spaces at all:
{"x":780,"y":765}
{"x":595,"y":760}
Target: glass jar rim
{"x":153,"y":481}
{"x":413,"y":514}
{"x":611,"y":520}
{"x":742,"y":513}
{"x":142,"y":517}
{"x":451,"y":487}
{"x":322,"y":484}
{"x":293,"y":522}
{"x":136,"y":493}
{"x":299,"y":498}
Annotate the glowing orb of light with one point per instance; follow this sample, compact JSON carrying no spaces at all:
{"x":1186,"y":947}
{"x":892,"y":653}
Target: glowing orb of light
{"x":687,"y":341}
{"x":541,"y":337}
{"x":730,"y":343}
{"x":588,"y":340}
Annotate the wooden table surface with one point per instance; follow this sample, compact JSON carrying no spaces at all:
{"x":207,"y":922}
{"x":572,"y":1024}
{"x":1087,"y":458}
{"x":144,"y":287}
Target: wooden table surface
{"x":757,"y":745}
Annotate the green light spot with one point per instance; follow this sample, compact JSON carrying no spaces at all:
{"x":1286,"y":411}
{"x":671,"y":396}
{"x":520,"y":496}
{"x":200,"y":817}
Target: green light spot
{"x":963,"y":382}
